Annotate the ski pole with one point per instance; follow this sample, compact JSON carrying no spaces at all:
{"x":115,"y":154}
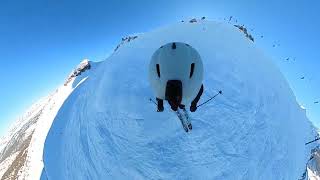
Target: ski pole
{"x":220,"y":92}
{"x":312,"y":141}
{"x":153,"y":101}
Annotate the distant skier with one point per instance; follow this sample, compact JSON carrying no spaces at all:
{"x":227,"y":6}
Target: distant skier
{"x":176,"y":74}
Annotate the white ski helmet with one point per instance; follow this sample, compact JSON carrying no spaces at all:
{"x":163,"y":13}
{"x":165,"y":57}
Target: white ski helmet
{"x":176,"y":61}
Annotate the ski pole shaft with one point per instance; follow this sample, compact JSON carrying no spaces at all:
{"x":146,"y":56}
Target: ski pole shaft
{"x":153,"y":101}
{"x":220,"y":92}
{"x":312,"y":141}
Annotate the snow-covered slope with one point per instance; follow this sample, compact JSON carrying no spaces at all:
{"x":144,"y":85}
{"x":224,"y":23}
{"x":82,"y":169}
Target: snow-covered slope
{"x":22,"y":149}
{"x":108,"y":129}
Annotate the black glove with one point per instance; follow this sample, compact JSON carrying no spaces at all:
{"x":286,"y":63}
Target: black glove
{"x":174,"y":108}
{"x":159,"y":105}
{"x":160,"y":109}
{"x":193,"y":107}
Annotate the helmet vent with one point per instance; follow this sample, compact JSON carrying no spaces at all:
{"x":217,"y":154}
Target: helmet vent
{"x":191,"y":70}
{"x":158,"y":70}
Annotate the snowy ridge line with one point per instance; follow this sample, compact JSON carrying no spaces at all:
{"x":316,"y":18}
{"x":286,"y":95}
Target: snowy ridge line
{"x":124,"y":40}
{"x":34,"y":169}
{"x":22,"y":147}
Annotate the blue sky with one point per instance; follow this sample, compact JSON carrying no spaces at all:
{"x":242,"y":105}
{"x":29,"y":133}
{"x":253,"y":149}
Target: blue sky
{"x":42,"y":41}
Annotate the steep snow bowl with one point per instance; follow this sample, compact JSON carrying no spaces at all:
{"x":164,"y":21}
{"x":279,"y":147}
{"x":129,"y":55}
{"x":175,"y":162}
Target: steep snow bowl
{"x":107,"y":128}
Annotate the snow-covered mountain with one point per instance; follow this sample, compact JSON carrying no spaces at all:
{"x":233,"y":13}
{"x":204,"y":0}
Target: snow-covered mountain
{"x":21,"y":149}
{"x":101,"y":124}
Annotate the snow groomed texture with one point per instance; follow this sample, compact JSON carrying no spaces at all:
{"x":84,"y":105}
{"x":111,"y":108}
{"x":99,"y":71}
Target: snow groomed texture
{"x":107,"y":128}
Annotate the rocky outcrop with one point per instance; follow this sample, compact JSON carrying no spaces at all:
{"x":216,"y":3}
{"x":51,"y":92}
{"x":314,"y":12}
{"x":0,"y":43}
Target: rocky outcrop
{"x":245,"y":31}
{"x":82,"y":67}
{"x":15,"y":168}
{"x":125,"y":40}
{"x":313,"y":165}
{"x":15,"y":149}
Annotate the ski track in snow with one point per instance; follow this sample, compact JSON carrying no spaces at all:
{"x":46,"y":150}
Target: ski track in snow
{"x":107,"y":128}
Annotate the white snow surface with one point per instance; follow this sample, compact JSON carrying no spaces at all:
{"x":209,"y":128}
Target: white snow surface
{"x":107,"y":128}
